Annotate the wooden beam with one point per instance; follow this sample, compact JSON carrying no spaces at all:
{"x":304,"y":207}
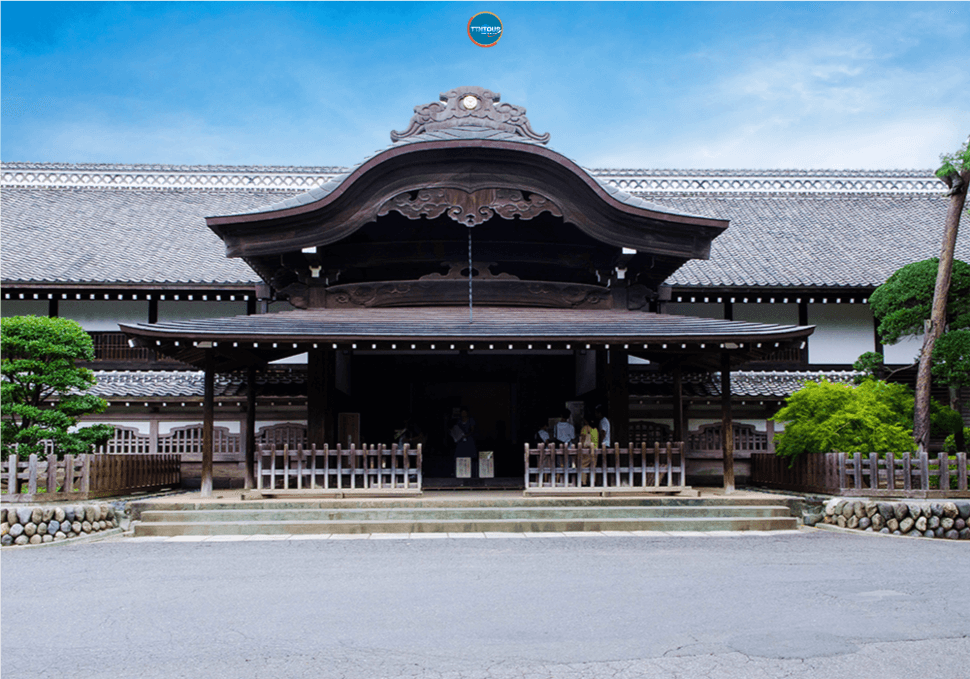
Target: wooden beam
{"x":319,"y":403}
{"x":727,"y":423}
{"x":208,"y":421}
{"x":678,"y":403}
{"x":250,"y":427}
{"x":619,"y":395}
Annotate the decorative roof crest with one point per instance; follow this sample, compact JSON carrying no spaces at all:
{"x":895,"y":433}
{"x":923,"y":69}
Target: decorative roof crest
{"x":470,"y":106}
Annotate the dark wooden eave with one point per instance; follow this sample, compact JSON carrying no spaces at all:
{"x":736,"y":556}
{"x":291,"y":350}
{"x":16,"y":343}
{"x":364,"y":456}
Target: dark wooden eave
{"x":469,"y":165}
{"x":258,"y":339}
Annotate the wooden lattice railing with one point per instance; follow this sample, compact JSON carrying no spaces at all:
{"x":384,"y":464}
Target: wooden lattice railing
{"x":866,"y":475}
{"x":114,"y":346}
{"x":551,"y":467}
{"x":364,"y":468}
{"x":85,"y":477}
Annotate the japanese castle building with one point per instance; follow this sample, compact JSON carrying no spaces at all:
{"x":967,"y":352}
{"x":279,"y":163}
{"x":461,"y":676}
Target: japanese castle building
{"x":468,"y":264}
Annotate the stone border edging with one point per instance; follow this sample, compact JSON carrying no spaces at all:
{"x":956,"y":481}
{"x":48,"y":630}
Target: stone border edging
{"x":23,"y":525}
{"x":903,"y":518}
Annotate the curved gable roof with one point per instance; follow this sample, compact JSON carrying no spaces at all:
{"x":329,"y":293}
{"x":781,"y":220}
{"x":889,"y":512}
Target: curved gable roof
{"x":469,"y":144}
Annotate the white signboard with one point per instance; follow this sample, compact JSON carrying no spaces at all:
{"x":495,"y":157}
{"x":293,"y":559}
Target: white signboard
{"x":486,"y":464}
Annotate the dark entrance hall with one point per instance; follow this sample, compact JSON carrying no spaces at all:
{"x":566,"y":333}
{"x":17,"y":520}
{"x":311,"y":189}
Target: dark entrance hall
{"x":509,"y":396}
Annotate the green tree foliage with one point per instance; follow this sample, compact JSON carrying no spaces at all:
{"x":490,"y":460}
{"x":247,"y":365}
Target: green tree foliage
{"x":42,"y":390}
{"x":951,"y":358}
{"x":903,"y":303}
{"x":870,"y":364}
{"x":825,"y":417}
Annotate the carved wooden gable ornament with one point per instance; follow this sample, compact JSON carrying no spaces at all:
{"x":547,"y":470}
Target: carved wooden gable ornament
{"x":470,"y":106}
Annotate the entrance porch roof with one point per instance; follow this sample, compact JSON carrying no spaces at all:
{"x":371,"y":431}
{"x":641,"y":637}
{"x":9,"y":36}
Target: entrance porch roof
{"x":265,"y":337}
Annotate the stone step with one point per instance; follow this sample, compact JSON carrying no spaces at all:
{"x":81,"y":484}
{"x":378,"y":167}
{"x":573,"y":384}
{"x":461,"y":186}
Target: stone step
{"x":406,"y":525}
{"x":541,"y":513}
{"x":139,"y":507}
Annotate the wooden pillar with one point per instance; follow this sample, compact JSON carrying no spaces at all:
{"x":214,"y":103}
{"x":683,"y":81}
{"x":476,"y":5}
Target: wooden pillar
{"x":727,"y":423}
{"x":320,"y":396}
{"x":208,"y":422}
{"x":250,"y":427}
{"x":153,"y":310}
{"x":678,"y":404}
{"x":52,"y":306}
{"x":153,"y":436}
{"x":803,"y":320}
{"x":619,"y":396}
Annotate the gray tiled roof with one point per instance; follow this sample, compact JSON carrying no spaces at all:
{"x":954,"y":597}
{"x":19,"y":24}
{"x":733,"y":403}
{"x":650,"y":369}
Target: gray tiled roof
{"x":744,"y":383}
{"x":67,"y":223}
{"x":120,"y":236}
{"x":153,"y":384}
{"x":814,"y":240}
{"x":190,"y":384}
{"x":461,"y":132}
{"x":452,"y":323}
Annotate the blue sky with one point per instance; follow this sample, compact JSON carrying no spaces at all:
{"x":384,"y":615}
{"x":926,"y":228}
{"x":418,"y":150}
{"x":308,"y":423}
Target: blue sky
{"x":652,"y":85}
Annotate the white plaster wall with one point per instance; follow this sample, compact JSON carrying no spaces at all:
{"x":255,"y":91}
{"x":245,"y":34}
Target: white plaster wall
{"x":668,"y":421}
{"x":298,"y":359}
{"x":234,"y":426}
{"x":695,"y":424}
{"x":275,"y":307}
{"x":24,"y":307}
{"x":170,"y":310}
{"x":843,"y":331}
{"x":905,"y":351}
{"x":779,"y":314}
{"x":143,"y":427}
{"x":701,"y":310}
{"x":103,"y":315}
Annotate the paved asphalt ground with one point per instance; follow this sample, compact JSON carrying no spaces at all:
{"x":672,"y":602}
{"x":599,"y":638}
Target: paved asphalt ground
{"x":798,"y":605}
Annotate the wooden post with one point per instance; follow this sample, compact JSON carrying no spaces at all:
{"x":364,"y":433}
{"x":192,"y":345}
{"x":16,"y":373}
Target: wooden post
{"x":683,"y":463}
{"x":250,"y":436}
{"x":208,"y":422}
{"x":770,"y":431}
{"x":619,"y":396}
{"x":319,"y":402}
{"x":727,"y":423}
{"x":962,"y":471}
{"x":52,"y":473}
{"x":924,"y":470}
{"x":13,"y":483}
{"x":85,"y":474}
{"x":32,"y":474}
{"x":678,"y":403}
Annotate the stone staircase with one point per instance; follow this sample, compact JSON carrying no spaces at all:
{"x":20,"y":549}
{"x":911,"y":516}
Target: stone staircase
{"x":458,"y":515}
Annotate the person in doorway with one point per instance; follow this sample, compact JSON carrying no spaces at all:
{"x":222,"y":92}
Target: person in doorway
{"x":464,"y":433}
{"x":603,"y":426}
{"x":542,"y":434}
{"x":588,"y":443}
{"x":565,"y":431}
{"x":589,"y":436}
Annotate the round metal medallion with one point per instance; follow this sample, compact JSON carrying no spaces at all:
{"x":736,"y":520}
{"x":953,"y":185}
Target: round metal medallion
{"x":470,"y":102}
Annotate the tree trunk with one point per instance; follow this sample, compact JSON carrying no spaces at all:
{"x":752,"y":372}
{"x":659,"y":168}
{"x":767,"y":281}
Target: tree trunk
{"x":957,"y":405}
{"x":937,"y":322}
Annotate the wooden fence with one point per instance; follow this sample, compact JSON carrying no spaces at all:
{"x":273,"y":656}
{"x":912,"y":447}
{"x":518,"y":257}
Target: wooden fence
{"x":85,"y":477}
{"x":558,"y":468}
{"x":865,"y":475}
{"x":353,"y":469}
